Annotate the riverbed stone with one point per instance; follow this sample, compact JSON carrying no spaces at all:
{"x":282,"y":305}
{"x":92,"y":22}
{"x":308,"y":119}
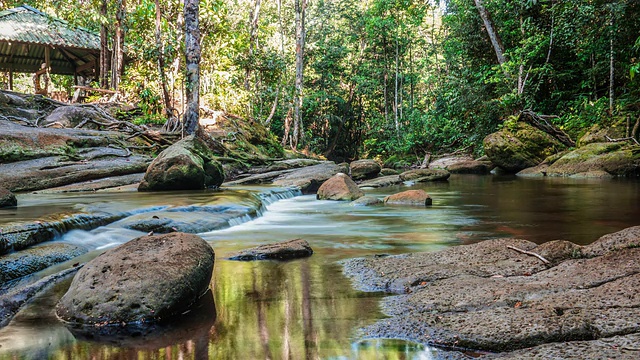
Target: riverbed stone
{"x":149,"y":278}
{"x":388,"y":171}
{"x":286,"y":250}
{"x":444,"y":162}
{"x":366,"y":201}
{"x":491,"y":297}
{"x":382,"y":181}
{"x":7,"y":198}
{"x":425,"y":175}
{"x":471,"y":167}
{"x":409,"y":197}
{"x":34,"y":259}
{"x":186,"y":165}
{"x":339,"y":187}
{"x":364,"y":169}
{"x":520,"y":146}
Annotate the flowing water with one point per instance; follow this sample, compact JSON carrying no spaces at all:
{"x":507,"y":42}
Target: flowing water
{"x":306,"y":309}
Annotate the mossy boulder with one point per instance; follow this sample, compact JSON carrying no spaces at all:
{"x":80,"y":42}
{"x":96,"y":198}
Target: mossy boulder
{"x":599,"y":133}
{"x":149,"y":278}
{"x":520,"y":146}
{"x":339,"y":187}
{"x":186,"y":165}
{"x":594,"y":160}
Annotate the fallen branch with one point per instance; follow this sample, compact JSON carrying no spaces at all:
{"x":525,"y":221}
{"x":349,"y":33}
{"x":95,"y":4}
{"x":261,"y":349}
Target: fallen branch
{"x":530,"y":253}
{"x":623,"y":139}
{"x":540,"y":122}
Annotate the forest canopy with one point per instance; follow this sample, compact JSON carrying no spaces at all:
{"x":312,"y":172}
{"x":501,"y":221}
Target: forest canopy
{"x":350,"y":79}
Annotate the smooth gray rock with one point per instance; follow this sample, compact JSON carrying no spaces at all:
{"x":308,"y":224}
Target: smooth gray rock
{"x":286,"y":250}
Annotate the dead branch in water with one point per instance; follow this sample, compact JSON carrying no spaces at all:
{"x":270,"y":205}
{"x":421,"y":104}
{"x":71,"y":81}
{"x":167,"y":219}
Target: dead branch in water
{"x":530,"y":253}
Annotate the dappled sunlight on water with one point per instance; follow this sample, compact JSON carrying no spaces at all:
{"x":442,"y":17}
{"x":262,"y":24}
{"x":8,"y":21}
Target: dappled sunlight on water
{"x":307,"y":308}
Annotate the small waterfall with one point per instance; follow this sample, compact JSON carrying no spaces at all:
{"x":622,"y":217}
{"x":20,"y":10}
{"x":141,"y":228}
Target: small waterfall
{"x":265,"y":199}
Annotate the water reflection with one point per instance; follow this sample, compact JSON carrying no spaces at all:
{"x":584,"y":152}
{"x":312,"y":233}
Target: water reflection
{"x":306,"y":309}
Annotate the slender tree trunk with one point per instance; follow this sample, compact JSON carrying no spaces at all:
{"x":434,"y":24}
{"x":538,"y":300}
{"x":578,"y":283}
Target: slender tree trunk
{"x":253,"y":37}
{"x":168,"y":107}
{"x":192,"y":62}
{"x":612,"y":63}
{"x":298,"y":133}
{"x":104,"y":48}
{"x":275,"y":101}
{"x":493,"y":35}
{"x":395,"y":90}
{"x":118,"y":45}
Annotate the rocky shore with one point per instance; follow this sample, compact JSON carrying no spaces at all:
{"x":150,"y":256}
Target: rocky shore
{"x":511,"y":298}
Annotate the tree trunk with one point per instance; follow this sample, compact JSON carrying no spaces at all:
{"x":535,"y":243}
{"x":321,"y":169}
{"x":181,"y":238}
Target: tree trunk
{"x":192,"y":63}
{"x":253,"y":36}
{"x":168,"y":107}
{"x":104,"y":49}
{"x":493,"y":35}
{"x":117,"y":63}
{"x":298,"y":136}
{"x":611,"y":65}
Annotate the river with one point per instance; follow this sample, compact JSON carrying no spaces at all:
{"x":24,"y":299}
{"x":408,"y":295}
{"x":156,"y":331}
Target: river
{"x":306,"y":309}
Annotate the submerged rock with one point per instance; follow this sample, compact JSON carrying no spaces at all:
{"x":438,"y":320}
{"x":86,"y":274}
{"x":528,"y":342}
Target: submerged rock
{"x":34,"y":259}
{"x":498,"y":296}
{"x":366,"y":201}
{"x":364,"y":169}
{"x":425,"y":175}
{"x":339,"y":187}
{"x":286,"y":250}
{"x":409,"y":197}
{"x":148,"y":278}
{"x":519,"y":147}
{"x":7,"y":198}
{"x":186,"y":165}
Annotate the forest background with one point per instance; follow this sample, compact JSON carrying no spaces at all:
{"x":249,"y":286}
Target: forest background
{"x":393,"y":79}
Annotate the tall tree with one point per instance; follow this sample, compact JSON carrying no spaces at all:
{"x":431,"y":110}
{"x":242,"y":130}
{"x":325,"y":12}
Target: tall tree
{"x":192,"y":63}
{"x":117,"y":62}
{"x":298,"y":132}
{"x":104,"y":47}
{"x":491,"y":31}
{"x":168,"y":107}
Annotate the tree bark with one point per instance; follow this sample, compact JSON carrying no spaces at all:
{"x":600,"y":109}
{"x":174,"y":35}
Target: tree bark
{"x":298,"y":133}
{"x":611,"y":65}
{"x":192,"y":62}
{"x":253,"y":37}
{"x":168,"y":108}
{"x":117,"y":63}
{"x":104,"y":48}
{"x":493,"y":35}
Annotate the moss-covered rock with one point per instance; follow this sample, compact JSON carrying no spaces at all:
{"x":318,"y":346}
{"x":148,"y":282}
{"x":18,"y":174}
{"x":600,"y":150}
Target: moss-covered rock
{"x":618,"y":159}
{"x":599,"y":133}
{"x":364,"y":169}
{"x":520,"y":146}
{"x":186,"y":165}
{"x":7,"y":198}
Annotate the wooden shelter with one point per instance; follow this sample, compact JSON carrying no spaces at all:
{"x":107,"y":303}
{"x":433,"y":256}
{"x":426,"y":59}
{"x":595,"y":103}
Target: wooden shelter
{"x":31,"y":41}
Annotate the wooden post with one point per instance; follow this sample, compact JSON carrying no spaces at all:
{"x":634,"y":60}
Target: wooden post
{"x":11,"y":77}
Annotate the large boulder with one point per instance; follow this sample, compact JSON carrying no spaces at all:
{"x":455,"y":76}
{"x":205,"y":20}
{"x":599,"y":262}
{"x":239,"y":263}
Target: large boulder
{"x":446,"y":161}
{"x":186,"y":165}
{"x":595,"y":160}
{"x":520,"y":146}
{"x":339,"y":187}
{"x":382,"y":181}
{"x":149,"y":278}
{"x":425,"y":175}
{"x":7,"y":198}
{"x":409,"y":197}
{"x":364,"y":169}
{"x":286,"y":250}
{"x":598,"y":133}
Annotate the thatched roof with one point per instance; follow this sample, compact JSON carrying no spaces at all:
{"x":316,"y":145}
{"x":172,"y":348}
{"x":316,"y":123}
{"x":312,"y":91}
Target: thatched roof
{"x":25,"y":33}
